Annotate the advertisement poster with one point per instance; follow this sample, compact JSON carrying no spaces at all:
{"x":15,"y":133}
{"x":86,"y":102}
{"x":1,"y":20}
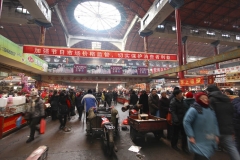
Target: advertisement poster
{"x":130,"y":70}
{"x":79,"y":69}
{"x":142,"y":70}
{"x":98,"y":69}
{"x":116,"y":69}
{"x":159,"y":69}
{"x":60,"y":68}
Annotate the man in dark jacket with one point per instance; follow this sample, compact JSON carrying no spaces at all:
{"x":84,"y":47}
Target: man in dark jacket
{"x":164,"y":103}
{"x":224,"y":113}
{"x":178,"y":111}
{"x":236,"y":120}
{"x":144,"y":101}
{"x":109,"y":98}
{"x":79,"y":105}
{"x":153,"y":102}
{"x":172,"y":96}
{"x":54,"y":104}
{"x":115,"y":95}
{"x":133,"y":98}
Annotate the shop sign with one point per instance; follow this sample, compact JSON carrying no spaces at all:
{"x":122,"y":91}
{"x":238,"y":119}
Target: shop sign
{"x":142,"y":70}
{"x":206,"y":61}
{"x":159,"y":69}
{"x":51,"y":79}
{"x":192,"y":81}
{"x":226,"y":70}
{"x":220,"y":80}
{"x":116,"y":69}
{"x":79,"y":69}
{"x":87,"y":53}
{"x":13,"y":51}
{"x":210,"y":79}
{"x":161,"y":81}
{"x":233,"y":77}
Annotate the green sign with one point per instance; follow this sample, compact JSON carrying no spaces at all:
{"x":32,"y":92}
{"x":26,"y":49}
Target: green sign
{"x":15,"y":52}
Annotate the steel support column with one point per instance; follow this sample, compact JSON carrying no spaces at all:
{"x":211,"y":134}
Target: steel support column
{"x":184,"y":40}
{"x":216,"y":53}
{"x":215,"y":45}
{"x":42,"y":38}
{"x":179,"y":42}
{"x":145,"y":39}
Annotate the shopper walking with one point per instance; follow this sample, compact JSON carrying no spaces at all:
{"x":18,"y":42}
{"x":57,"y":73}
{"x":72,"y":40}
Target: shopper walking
{"x":115,"y":96}
{"x":164,"y":104}
{"x":89,"y":101}
{"x":133,"y":98}
{"x":54,"y":101}
{"x":79,"y":105}
{"x":236,"y":120}
{"x":224,"y":112}
{"x":143,"y":100}
{"x":63,"y":112}
{"x":178,"y":111}
{"x":153,"y":102}
{"x":36,"y":111}
{"x":201,"y":142}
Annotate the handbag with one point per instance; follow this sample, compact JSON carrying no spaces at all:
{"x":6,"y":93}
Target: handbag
{"x":42,"y":126}
{"x":169,"y":118}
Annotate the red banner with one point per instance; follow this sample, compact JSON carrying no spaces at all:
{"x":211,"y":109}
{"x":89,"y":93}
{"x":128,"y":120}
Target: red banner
{"x":211,"y":79}
{"x":88,"y":53}
{"x":10,"y":122}
{"x":192,"y":81}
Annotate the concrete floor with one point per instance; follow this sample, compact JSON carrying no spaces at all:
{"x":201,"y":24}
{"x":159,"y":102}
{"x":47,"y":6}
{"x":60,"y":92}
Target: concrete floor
{"x":75,"y":145}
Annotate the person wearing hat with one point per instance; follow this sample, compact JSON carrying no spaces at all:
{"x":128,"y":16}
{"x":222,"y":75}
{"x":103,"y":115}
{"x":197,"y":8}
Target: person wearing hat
{"x":178,"y":111}
{"x":223,"y":108}
{"x":202,"y":142}
{"x":37,"y":111}
{"x":189,"y":100}
{"x":228,"y":92}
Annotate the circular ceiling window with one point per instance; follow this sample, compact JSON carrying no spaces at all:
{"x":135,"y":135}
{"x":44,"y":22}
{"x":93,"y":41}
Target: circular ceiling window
{"x":97,"y":15}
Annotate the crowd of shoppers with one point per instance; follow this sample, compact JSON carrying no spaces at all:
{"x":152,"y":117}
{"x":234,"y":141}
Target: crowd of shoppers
{"x":203,"y":120}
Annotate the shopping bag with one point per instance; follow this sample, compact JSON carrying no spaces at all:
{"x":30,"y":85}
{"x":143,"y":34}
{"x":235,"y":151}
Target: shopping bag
{"x":42,"y":126}
{"x":169,"y":118}
{"x":19,"y":122}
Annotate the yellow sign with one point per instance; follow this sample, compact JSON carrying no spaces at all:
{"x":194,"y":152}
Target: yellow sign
{"x":206,"y":61}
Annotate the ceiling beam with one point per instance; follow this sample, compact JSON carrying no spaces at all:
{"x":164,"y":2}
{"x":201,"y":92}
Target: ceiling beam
{"x":124,"y":40}
{"x":59,"y":15}
{"x":204,"y":62}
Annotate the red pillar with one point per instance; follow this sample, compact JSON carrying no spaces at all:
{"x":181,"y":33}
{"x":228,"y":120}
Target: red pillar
{"x":216,"y":53}
{"x":1,"y":3}
{"x":179,"y":43}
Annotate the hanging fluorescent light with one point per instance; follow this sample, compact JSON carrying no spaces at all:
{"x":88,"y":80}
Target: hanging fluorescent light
{"x":238,"y":37}
{"x":194,"y":31}
{"x":211,"y":33}
{"x":160,"y":26}
{"x":173,"y":28}
{"x":226,"y":35}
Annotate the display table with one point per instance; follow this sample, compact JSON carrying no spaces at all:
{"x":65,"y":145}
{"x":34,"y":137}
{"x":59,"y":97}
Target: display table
{"x":8,"y":121}
{"x":122,"y":100}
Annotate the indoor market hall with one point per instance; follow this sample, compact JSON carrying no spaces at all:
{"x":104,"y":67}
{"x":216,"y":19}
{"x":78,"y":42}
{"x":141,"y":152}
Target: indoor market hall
{"x":119,"y":80}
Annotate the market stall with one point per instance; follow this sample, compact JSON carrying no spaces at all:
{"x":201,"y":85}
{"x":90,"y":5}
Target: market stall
{"x":11,"y":109}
